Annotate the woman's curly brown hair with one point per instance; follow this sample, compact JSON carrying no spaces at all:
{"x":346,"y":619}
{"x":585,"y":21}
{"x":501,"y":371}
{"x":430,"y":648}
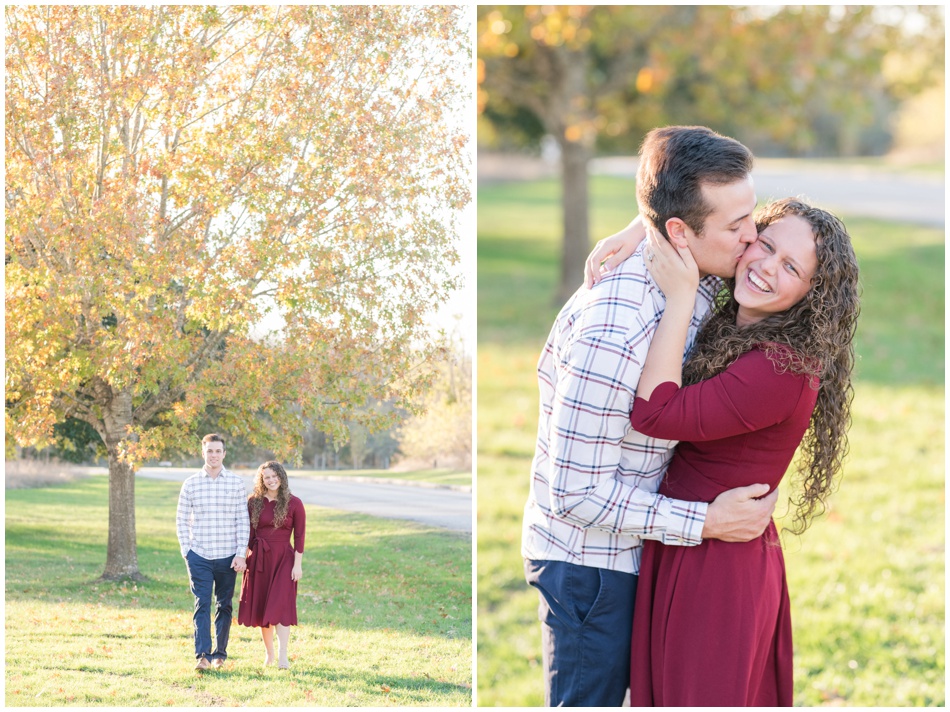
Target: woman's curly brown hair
{"x":256,"y":499}
{"x":818,"y":331}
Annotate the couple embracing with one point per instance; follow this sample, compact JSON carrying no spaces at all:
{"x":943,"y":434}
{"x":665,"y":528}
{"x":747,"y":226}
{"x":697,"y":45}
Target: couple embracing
{"x":674,"y":394}
{"x":223,"y":532}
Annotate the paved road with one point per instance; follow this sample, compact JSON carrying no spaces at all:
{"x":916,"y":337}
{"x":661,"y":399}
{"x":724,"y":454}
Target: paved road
{"x":889,"y":196}
{"x":437,"y":507}
{"x":852,"y":190}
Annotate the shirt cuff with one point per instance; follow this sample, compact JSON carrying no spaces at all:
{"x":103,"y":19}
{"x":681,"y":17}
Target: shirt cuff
{"x":684,"y":522}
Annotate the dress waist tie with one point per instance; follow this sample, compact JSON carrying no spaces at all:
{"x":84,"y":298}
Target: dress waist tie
{"x":260,"y":547}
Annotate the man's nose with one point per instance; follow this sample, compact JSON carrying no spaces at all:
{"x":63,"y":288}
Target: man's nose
{"x":749,"y":234}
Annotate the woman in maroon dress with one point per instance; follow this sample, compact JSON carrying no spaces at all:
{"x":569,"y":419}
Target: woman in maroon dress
{"x":771,"y":369}
{"x":269,"y":588}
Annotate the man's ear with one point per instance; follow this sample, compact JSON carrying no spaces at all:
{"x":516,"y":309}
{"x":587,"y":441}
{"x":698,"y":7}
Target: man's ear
{"x":678,"y":232}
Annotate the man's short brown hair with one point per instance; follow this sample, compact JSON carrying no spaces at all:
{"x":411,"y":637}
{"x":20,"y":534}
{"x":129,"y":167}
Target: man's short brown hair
{"x":212,"y":438}
{"x":675,"y":162}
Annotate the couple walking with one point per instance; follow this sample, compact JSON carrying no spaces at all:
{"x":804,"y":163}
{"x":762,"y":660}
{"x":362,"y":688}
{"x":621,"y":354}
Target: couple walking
{"x":648,"y":529}
{"x":223,"y":532}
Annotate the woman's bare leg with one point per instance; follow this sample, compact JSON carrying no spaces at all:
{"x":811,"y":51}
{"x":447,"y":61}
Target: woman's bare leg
{"x":283,"y":637}
{"x":267,"y":635}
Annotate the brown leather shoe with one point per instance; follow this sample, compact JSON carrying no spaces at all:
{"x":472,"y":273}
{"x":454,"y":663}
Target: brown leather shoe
{"x":202,"y":663}
{"x":218,"y":663}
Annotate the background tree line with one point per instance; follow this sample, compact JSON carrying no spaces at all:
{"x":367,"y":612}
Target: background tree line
{"x":439,"y":434}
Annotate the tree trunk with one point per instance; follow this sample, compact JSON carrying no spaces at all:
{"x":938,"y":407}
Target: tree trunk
{"x":121,"y":555}
{"x":575,"y":157}
{"x":571,"y":122}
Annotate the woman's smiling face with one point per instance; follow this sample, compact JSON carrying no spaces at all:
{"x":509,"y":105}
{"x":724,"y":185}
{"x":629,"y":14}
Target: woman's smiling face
{"x":271,"y":480}
{"x":776,"y":270}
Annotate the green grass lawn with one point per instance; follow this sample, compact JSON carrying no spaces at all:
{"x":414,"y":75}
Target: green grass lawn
{"x":385,"y":611}
{"x":866,"y":580}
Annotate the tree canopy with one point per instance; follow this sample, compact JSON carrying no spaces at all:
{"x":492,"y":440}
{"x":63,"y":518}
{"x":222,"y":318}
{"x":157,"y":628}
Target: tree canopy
{"x":246,"y":209}
{"x":792,"y":78}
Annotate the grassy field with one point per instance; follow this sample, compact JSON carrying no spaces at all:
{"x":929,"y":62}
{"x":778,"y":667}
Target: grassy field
{"x":866,"y":581}
{"x":385,"y":611}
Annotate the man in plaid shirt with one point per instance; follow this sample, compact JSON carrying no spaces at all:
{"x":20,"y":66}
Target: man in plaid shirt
{"x":593,"y":491}
{"x":213,"y":528}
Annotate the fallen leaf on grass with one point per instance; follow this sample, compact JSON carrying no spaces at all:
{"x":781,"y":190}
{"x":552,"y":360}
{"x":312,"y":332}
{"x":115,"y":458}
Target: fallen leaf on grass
{"x":385,"y":688}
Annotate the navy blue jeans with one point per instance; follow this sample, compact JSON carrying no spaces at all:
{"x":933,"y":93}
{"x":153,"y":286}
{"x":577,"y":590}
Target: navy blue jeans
{"x":586,"y":619}
{"x":208,"y":576}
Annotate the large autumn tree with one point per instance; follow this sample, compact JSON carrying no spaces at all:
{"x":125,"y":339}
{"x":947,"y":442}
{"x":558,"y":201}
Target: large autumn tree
{"x":244,"y":210}
{"x":775,"y":77}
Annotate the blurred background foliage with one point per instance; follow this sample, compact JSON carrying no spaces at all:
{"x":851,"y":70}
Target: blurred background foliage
{"x":816,"y":80}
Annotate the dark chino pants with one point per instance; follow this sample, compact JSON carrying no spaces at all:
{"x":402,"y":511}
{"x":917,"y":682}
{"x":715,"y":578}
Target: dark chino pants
{"x":586,"y":620}
{"x":207,"y":577}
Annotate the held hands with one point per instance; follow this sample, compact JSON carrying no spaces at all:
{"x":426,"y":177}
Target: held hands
{"x":737,"y":514}
{"x":239,"y":564}
{"x":672,"y":268}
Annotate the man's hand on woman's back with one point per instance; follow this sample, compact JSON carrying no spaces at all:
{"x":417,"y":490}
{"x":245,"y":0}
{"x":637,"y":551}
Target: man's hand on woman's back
{"x":739,"y":515}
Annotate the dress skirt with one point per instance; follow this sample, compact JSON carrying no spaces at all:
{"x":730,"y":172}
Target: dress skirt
{"x":712,"y":626}
{"x":268,"y":593}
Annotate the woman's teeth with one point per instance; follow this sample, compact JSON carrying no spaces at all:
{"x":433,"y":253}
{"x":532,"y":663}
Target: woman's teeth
{"x":758,"y":283}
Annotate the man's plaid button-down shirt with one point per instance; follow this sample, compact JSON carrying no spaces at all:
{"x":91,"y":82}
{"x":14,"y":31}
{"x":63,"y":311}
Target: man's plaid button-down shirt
{"x":212,"y":517}
{"x":593,"y":490}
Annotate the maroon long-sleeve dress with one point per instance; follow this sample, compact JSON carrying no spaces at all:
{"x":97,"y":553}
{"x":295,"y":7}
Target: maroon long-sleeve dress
{"x":268,"y":593}
{"x":712,"y":625}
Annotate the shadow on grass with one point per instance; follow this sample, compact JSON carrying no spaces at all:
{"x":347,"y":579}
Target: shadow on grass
{"x":314,"y":682}
{"x":429,"y":686}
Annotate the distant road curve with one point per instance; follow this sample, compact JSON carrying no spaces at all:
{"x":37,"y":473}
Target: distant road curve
{"x":437,"y":507}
